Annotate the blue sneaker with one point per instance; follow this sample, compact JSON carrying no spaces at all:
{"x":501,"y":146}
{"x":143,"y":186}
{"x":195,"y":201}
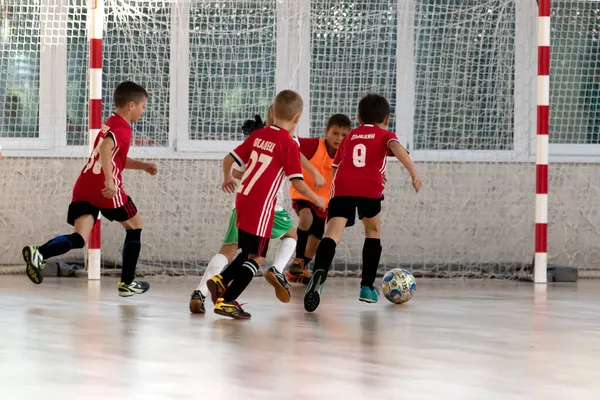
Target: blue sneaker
{"x":368,"y":295}
{"x":312,"y":297}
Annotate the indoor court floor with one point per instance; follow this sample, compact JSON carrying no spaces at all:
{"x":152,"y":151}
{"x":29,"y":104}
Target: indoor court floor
{"x":70,"y":339}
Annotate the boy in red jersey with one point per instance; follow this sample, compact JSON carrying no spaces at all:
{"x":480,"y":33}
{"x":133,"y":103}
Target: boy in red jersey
{"x":358,"y":186}
{"x":311,"y":225}
{"x":269,"y":155}
{"x":99,"y":188}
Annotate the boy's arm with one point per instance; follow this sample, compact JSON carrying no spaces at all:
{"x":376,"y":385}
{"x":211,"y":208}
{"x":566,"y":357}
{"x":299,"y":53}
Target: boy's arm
{"x":305,"y":191}
{"x":141,"y":165}
{"x":237,"y":174}
{"x":318,"y":178}
{"x":106,"y":149}
{"x":228,"y":184}
{"x":402,"y":156}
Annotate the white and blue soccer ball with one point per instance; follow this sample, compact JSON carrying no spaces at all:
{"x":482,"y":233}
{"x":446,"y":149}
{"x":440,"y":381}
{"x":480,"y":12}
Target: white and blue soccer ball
{"x":398,"y":285}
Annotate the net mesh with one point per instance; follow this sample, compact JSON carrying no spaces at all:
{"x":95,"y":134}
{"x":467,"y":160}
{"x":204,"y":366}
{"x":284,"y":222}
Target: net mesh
{"x":464,"y":71}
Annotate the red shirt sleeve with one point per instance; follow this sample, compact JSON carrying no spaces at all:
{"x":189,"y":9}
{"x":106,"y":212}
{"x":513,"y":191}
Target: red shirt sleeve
{"x":308,"y":146}
{"x":241,"y":154}
{"x":339,"y":154}
{"x":390,"y":137}
{"x":290,"y":159}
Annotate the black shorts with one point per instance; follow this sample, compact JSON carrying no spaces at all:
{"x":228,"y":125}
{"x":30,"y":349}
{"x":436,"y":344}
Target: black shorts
{"x":252,"y":244}
{"x":317,"y":228}
{"x":80,"y":208}
{"x":347,"y":206}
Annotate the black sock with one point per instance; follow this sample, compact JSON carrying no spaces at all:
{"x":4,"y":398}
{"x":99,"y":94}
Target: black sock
{"x":307,"y":260}
{"x":131,"y":253}
{"x":61,"y":245}
{"x":371,"y":255}
{"x":301,"y":243}
{"x":324,"y":255}
{"x":242,"y":280}
{"x":230,"y":271}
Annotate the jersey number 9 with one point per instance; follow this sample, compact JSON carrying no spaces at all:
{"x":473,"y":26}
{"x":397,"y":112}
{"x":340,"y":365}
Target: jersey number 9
{"x":359,"y":155}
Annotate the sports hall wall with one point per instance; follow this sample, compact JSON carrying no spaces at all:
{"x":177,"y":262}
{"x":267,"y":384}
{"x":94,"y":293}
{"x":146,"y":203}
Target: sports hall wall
{"x":461,"y":78}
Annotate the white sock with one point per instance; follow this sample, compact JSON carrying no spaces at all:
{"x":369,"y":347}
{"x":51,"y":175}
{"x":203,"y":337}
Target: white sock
{"x":216,"y":264}
{"x":286,"y":251}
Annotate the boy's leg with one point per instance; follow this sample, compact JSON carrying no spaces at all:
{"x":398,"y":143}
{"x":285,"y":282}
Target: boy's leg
{"x":256,"y":247}
{"x":82,"y":216}
{"x":295,"y":271}
{"x":283,"y":229}
{"x":217,"y":264}
{"x":370,"y":213}
{"x":215,"y":267}
{"x":127,"y":215}
{"x":341,"y":211}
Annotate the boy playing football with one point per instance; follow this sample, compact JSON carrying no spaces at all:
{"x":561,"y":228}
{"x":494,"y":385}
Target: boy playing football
{"x":271,"y":154}
{"x":311,"y":224}
{"x":358,"y":185}
{"x":99,"y":189}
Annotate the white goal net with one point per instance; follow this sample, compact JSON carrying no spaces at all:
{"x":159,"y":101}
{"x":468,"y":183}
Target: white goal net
{"x":460,"y":76}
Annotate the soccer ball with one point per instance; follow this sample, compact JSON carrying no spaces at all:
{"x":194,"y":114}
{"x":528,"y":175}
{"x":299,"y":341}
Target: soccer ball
{"x":399,"y":286}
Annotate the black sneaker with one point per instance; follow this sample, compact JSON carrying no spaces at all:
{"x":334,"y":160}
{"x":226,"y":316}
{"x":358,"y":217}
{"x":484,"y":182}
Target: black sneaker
{"x":34,"y":264}
{"x":281,"y":285}
{"x":197,"y":303}
{"x":135,"y":287}
{"x":312,"y":297}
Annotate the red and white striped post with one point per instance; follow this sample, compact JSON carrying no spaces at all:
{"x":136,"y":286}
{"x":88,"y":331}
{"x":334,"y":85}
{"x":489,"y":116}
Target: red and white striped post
{"x":95,"y":25}
{"x":543,"y":122}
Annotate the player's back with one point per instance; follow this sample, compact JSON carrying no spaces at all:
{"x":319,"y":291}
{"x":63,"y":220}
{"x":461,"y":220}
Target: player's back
{"x":90,"y":183}
{"x":268,"y":155}
{"x":361,"y":162}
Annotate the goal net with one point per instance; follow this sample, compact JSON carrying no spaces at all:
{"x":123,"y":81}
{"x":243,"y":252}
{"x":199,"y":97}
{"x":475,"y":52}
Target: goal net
{"x":460,"y":76}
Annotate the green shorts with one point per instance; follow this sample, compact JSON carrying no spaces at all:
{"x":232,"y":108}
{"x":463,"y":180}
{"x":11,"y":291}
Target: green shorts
{"x":282,"y":223}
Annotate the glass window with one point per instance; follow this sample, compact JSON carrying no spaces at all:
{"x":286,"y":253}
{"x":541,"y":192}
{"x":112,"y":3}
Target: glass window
{"x":136,"y":46}
{"x":353,"y":46}
{"x":464,"y":89}
{"x":232,"y":65}
{"x":20,"y":69}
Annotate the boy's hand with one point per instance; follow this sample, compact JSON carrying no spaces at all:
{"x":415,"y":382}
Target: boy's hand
{"x":151,"y":168}
{"x":417,"y":184}
{"x":228,"y":185}
{"x":251,"y":126}
{"x":110,"y":189}
{"x":320,"y":203}
{"x":319,"y":181}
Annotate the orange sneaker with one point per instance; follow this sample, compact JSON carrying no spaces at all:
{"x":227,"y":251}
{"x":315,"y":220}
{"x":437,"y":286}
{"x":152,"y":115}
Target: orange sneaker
{"x":298,"y":272}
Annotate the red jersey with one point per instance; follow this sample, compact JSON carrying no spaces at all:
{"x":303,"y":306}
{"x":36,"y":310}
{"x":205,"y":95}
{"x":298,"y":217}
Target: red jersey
{"x":90,"y":183}
{"x":271,"y":155}
{"x":361,"y":162}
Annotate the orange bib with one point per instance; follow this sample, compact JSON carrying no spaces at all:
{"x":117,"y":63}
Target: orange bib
{"x":322,"y":162}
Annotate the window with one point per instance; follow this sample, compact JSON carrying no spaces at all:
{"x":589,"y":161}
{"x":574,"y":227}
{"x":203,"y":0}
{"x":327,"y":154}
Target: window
{"x":575,"y":72}
{"x":20,"y":69}
{"x":232,"y":65}
{"x":137,"y":48}
{"x":464,"y":64}
{"x":353,"y":46}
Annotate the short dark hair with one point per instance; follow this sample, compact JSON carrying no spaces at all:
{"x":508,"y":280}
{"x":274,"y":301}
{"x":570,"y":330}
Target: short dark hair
{"x":340,"y":120}
{"x":373,"y":109}
{"x":129,"y":91}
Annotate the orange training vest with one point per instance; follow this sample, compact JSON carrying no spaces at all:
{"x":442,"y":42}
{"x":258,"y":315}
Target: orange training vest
{"x":322,"y":162}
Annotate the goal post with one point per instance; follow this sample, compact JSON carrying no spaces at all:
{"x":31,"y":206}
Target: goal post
{"x":543,"y":122}
{"x":95,"y":28}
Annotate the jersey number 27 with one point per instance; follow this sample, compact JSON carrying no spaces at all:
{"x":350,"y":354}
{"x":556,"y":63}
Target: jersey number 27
{"x":252,"y":173}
